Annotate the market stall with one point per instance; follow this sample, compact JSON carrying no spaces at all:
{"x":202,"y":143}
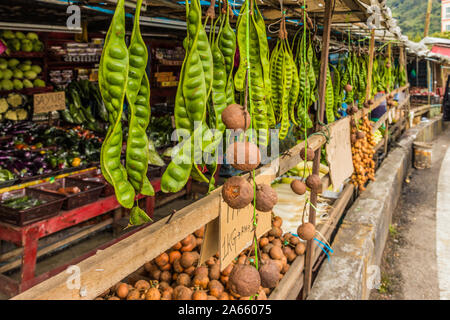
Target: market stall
{"x":321,"y":79}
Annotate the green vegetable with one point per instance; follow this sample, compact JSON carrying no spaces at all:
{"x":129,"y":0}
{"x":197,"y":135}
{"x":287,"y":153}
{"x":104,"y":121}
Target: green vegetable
{"x":154,"y":158}
{"x":7,"y":85}
{"x":20,"y":35}
{"x":12,"y":63}
{"x":5,"y":175}
{"x":13,"y":44}
{"x":7,"y":74}
{"x":18,"y":74}
{"x":24,"y":67}
{"x":27,"y":83}
{"x":30,"y":75}
{"x":113,"y":83}
{"x":3,"y":105}
{"x":7,"y":34}
{"x":11,"y":115}
{"x":18,"y":85}
{"x":32,"y":36}
{"x":36,"y":69}
{"x":3,"y":64}
{"x":38,"y":46}
{"x":22,"y":114}
{"x":39,"y":83}
{"x":15,"y":100}
{"x":26,"y":45}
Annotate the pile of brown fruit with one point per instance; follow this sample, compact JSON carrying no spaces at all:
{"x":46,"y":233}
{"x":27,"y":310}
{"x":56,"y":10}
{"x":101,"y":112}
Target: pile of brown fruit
{"x":174,"y":275}
{"x":363,"y":144}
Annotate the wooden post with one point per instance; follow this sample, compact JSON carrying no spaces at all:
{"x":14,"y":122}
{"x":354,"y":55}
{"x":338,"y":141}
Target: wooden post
{"x":371,"y":55}
{"x":386,"y":132}
{"x":427,"y":19}
{"x":316,"y":163}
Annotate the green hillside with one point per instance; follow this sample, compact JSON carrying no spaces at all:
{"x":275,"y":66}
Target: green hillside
{"x":410,"y":15}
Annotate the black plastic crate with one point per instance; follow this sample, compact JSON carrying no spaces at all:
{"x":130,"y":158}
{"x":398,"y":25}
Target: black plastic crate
{"x":51,"y":207}
{"x":90,"y":191}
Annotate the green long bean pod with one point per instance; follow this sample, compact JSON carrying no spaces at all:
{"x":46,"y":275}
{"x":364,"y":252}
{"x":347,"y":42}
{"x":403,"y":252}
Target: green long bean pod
{"x":241,"y":27}
{"x":113,"y":77}
{"x":227,"y":45}
{"x":329,"y":97}
{"x":137,"y":153}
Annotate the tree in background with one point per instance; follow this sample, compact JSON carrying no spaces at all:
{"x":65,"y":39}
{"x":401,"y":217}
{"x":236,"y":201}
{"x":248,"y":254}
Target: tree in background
{"x":410,"y":15}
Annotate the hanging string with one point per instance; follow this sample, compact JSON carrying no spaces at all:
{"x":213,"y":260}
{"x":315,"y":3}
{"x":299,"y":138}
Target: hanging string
{"x":302,"y":61}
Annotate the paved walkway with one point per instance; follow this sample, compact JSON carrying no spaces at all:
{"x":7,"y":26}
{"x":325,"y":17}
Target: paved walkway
{"x":416,"y":260}
{"x":443,"y":228}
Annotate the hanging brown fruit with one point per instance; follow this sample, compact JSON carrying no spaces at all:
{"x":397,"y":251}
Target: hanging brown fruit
{"x":244,"y":280}
{"x":360,"y":135}
{"x":306,"y":231}
{"x":237,"y":192}
{"x":348,"y":87}
{"x":309,"y":154}
{"x":299,"y":187}
{"x":236,"y":117}
{"x":314,"y":183}
{"x":269,"y":273}
{"x":266,"y":198}
{"x":243,"y":156}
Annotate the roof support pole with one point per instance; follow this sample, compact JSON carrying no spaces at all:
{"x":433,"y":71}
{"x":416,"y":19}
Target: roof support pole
{"x":316,"y":164}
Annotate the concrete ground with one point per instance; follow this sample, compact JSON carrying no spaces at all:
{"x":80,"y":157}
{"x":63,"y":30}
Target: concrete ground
{"x":412,"y":267}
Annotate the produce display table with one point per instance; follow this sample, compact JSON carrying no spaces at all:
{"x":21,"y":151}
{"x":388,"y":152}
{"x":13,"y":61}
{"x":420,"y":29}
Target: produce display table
{"x":27,"y":237}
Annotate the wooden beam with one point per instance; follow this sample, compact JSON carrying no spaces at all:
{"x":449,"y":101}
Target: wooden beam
{"x":316,"y":161}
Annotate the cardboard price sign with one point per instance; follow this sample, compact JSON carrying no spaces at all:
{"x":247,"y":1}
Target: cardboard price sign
{"x":339,"y":153}
{"x":51,"y":101}
{"x":236,"y":230}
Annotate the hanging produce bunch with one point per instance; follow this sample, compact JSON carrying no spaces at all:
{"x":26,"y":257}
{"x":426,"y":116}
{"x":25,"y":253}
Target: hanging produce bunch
{"x":122,"y":73}
{"x":363,"y":144}
{"x":285,"y":82}
{"x":254,"y":57}
{"x":307,"y":67}
{"x":204,"y":83}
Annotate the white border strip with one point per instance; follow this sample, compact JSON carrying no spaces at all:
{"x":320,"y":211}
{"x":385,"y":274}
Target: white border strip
{"x":443,"y":228}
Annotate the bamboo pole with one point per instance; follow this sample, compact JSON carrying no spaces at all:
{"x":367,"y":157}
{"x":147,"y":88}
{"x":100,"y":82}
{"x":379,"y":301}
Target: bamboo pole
{"x":427,"y":19}
{"x":316,"y":163}
{"x":370,"y":71}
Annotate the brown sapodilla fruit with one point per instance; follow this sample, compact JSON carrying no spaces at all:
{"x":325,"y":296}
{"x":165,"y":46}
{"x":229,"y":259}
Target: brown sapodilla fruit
{"x":270,"y":274}
{"x":348,"y":87}
{"x":309,"y":154}
{"x":244,"y":156}
{"x":266,"y":198}
{"x":236,"y":117}
{"x":237,"y":192}
{"x":314,"y":183}
{"x":244,"y":280}
{"x":306,"y":231}
{"x":299,"y":187}
{"x":360,"y":135}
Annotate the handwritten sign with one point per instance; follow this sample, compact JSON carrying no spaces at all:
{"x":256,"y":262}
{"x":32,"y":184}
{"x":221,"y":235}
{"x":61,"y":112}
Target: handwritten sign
{"x":51,"y":101}
{"x":339,"y":153}
{"x":236,"y":230}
